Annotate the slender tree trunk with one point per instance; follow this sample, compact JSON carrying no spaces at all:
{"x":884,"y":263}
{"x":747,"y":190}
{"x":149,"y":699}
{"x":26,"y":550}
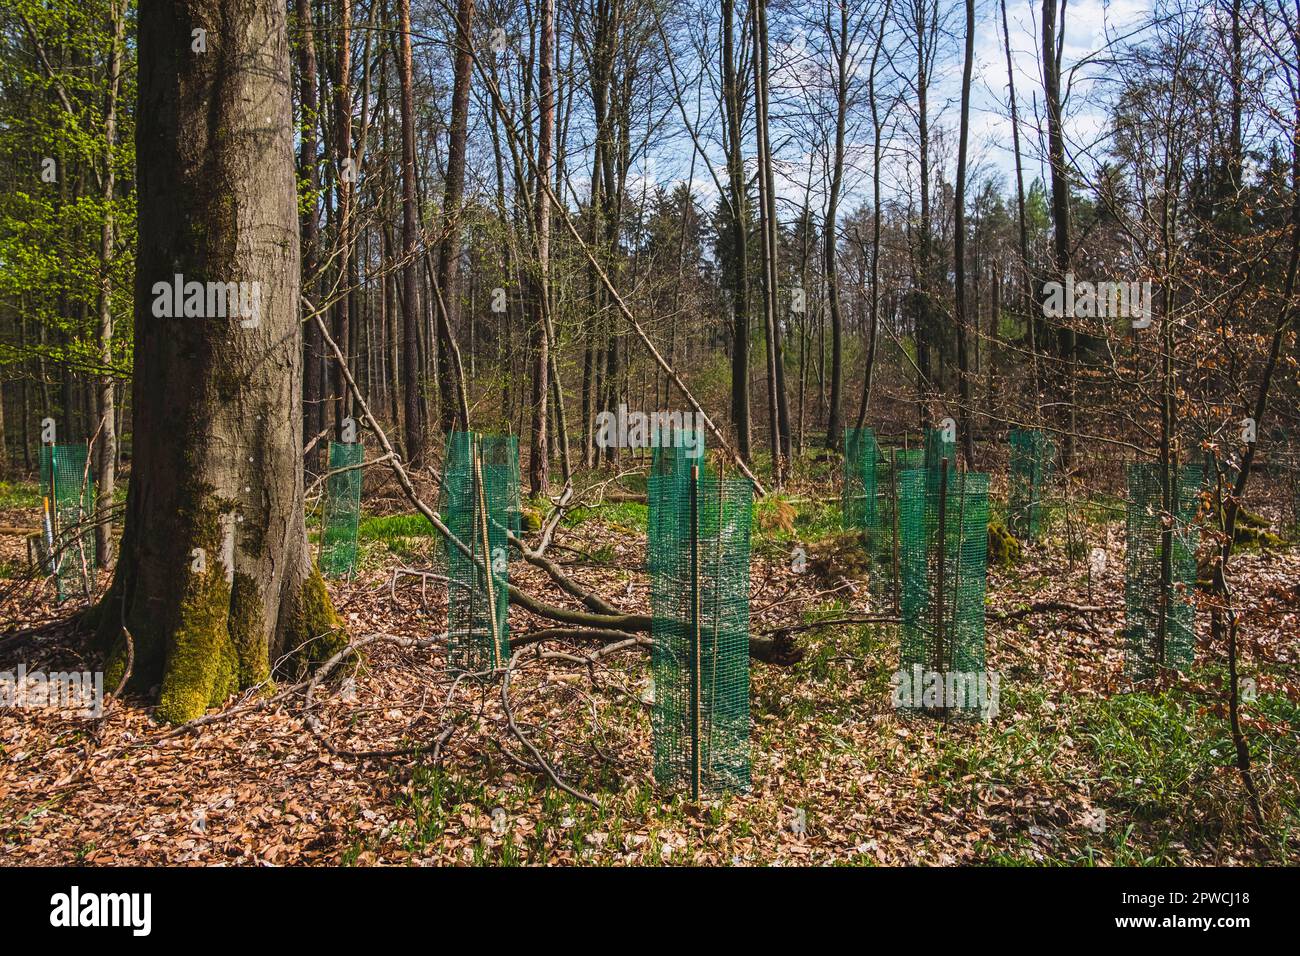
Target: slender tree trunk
{"x":26,"y":385}
{"x":830,"y":243}
{"x":959,"y":248}
{"x":412,"y":380}
{"x":106,"y":444}
{"x":539,"y":457}
{"x":4,"y":447}
{"x":767,"y":234}
{"x":1225,"y":614}
{"x":738,"y":280}
{"x":215,"y":580}
{"x":1026,"y":292}
{"x":876,"y":128}
{"x":925,"y":333}
{"x":308,"y":169}
{"x":345,"y":176}
{"x":1052,"y":43}
{"x":451,"y":377}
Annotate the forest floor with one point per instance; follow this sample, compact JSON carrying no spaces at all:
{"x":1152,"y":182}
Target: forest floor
{"x":1077,"y":767}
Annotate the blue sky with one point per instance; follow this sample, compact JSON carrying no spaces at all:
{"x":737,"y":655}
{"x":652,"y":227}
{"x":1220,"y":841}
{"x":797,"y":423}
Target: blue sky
{"x":1091,"y":26}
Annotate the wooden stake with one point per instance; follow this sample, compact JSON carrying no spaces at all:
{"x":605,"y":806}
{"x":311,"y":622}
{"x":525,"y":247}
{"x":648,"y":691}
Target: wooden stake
{"x":56,"y":560}
{"x":956,"y":571}
{"x":477,"y":452}
{"x":695,"y":632}
{"x":893,"y":489}
{"x":717,"y":617}
{"x":938,"y":587}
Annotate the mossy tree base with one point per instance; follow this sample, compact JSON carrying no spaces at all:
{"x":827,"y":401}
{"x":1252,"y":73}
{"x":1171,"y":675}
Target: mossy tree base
{"x":1003,"y":548}
{"x":214,"y":583}
{"x":217,"y":645}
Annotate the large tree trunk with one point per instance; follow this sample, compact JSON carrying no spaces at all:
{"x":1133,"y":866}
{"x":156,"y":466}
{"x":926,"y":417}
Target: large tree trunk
{"x":215,"y":579}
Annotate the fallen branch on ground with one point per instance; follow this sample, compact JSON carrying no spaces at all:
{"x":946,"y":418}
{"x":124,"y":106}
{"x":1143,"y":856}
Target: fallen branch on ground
{"x":778,"y":650}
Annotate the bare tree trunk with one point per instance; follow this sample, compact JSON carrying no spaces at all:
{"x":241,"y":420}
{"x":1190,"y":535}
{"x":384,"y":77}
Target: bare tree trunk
{"x":876,"y":126}
{"x":4,"y":447}
{"x":451,"y":377}
{"x":1052,"y":44}
{"x":313,"y":358}
{"x":959,"y":247}
{"x":539,"y":458}
{"x":412,"y":380}
{"x":738,"y":280}
{"x":106,"y":444}
{"x":830,"y":243}
{"x":924,"y":312}
{"x":1026,"y":293}
{"x":778,"y":424}
{"x":345,"y":174}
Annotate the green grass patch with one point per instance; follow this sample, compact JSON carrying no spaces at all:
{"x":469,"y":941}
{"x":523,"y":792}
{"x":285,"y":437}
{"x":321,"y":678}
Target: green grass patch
{"x":20,"y":494}
{"x":390,"y":528}
{"x":627,"y":515}
{"x":1153,"y":752}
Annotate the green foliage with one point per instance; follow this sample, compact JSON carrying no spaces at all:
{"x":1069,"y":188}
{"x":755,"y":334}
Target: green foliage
{"x":19,"y":494}
{"x":391,"y":528}
{"x":1038,"y":214}
{"x":1153,"y":752}
{"x":50,"y":231}
{"x":626,"y":515}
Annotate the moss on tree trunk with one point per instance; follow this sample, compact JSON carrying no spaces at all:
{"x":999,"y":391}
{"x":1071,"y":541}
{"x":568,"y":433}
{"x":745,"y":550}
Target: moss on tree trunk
{"x":215,"y":581}
{"x":220,"y":639}
{"x":202,"y":668}
{"x":314,"y":633}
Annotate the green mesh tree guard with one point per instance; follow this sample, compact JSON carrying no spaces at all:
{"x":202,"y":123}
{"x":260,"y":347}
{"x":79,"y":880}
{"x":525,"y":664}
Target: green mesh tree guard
{"x":938,"y":449}
{"x":479,"y":503}
{"x":878,"y":519}
{"x":882,"y":537}
{"x":698,"y":557}
{"x":342,"y":510}
{"x":1160,"y":619}
{"x":67,"y":519}
{"x":1032,"y":453}
{"x":943,"y":533}
{"x":858,"y":505}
